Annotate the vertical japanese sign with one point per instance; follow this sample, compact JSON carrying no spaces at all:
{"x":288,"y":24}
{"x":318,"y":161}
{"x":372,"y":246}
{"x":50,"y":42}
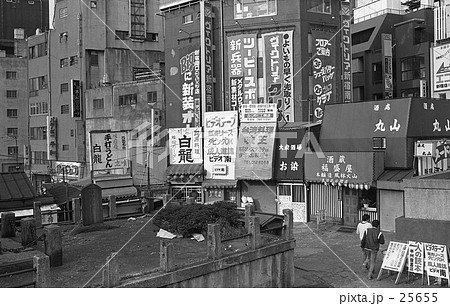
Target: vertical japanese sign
{"x":278,"y":68}
{"x":235,"y":71}
{"x":323,"y":72}
{"x":386,"y":52}
{"x":441,"y":67}
{"x":436,"y":260}
{"x":75,"y":97}
{"x":220,"y":144}
{"x":190,"y":87}
{"x":255,"y":151}
{"x":51,"y":138}
{"x":109,"y":150}
{"x":185,"y":146}
{"x":289,"y":155}
{"x":346,"y":52}
{"x":395,"y":256}
{"x":206,"y":27}
{"x":415,"y":257}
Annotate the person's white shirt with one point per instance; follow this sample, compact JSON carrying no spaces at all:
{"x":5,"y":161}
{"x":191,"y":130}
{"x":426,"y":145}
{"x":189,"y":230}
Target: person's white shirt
{"x":362,"y":227}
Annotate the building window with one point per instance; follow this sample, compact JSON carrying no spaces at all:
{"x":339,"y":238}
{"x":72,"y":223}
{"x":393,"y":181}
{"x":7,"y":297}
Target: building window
{"x":11,"y":113}
{"x":38,"y":108}
{"x":13,"y":150}
{"x":37,"y":50}
{"x":379,"y":142}
{"x":362,"y":36}
{"x":152,"y":97}
{"x":319,"y":6}
{"x":128,"y":99}
{"x":63,"y":12}
{"x":94,"y":59}
{"x":63,"y":37}
{"x":377,"y":75}
{"x":65,"y":147}
{"x":188,"y":18}
{"x":122,"y":35}
{"x":64,"y":62}
{"x":11,"y":75}
{"x":410,"y":93}
{"x":73,"y":60}
{"x":443,"y":96}
{"x":358,"y":93}
{"x":12,"y":132}
{"x":98,"y":104}
{"x":357,"y":64}
{"x":38,"y":133}
{"x":152,"y":37}
{"x":36,"y":84}
{"x":64,"y":87}
{"x":65,"y":109}
{"x":413,"y":68}
{"x":72,"y":133}
{"x":39,"y":157}
{"x":11,"y":94}
{"x":254,"y":8}
{"x":181,"y":193}
{"x":138,"y":19}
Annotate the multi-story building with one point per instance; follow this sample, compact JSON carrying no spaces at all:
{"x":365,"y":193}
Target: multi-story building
{"x":93,"y":44}
{"x":26,"y":15}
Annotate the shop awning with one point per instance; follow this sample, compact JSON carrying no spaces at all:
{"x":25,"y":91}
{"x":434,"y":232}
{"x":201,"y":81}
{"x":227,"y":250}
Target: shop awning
{"x":220,"y":184}
{"x":15,"y":186}
{"x":185,"y":169}
{"x":120,"y":192}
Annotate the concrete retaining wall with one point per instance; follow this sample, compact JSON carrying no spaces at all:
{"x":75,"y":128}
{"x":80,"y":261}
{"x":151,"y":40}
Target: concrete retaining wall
{"x":432,"y":231}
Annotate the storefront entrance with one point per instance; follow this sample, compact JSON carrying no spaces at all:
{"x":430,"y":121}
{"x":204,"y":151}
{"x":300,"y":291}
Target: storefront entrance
{"x":292,"y":196}
{"x":350,"y":202}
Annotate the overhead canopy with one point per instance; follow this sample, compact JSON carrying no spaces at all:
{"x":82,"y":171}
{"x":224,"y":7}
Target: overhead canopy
{"x":120,"y":192}
{"x":185,"y":169}
{"x":219,"y":184}
{"x":15,"y":186}
{"x":391,"y":179}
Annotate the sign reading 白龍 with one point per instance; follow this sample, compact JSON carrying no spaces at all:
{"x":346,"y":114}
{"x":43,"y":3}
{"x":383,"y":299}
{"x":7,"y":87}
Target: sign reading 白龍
{"x":185,"y":146}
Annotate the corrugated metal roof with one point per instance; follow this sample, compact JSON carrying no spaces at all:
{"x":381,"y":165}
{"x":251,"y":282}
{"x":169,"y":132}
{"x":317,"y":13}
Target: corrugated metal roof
{"x":15,"y":186}
{"x":396,"y":175}
{"x":120,"y":192}
{"x":185,"y":169}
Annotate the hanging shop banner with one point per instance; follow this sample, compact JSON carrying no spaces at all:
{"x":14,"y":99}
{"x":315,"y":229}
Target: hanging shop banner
{"x":51,"y":138}
{"x":220,"y":144}
{"x":190,"y":87}
{"x":441,"y":67}
{"x":415,"y":257}
{"x":346,"y":37}
{"x":255,"y":151}
{"x":324,"y":65}
{"x":395,"y":257}
{"x":359,"y":168}
{"x":68,"y":170}
{"x":75,"y":96}
{"x":185,"y":146}
{"x":206,"y":39}
{"x":289,"y":152}
{"x":261,"y":112}
{"x":436,"y":260}
{"x":278,"y":69}
{"x":235,"y":71}
{"x":109,"y":150}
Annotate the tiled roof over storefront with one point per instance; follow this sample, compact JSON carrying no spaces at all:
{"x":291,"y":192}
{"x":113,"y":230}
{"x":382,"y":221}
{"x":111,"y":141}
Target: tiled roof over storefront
{"x":15,"y":186}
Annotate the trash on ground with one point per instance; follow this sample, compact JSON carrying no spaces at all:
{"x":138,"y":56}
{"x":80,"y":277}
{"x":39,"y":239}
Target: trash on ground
{"x":131,"y":219}
{"x":165,"y":234}
{"x":198,"y":237}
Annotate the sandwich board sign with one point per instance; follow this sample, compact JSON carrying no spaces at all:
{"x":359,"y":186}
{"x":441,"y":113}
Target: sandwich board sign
{"x":415,"y":258}
{"x":394,"y":259}
{"x":436,"y":261}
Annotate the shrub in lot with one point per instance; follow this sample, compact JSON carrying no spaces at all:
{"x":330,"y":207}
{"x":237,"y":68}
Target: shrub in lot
{"x":194,"y":218}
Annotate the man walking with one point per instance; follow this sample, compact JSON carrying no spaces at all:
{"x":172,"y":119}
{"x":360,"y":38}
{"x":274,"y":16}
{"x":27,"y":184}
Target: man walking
{"x":360,"y":230}
{"x":371,"y":243}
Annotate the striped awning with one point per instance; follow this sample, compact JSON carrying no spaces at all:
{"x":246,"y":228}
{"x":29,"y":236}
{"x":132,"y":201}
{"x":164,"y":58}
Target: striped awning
{"x":120,"y":192}
{"x":219,"y":184}
{"x":184,"y":169}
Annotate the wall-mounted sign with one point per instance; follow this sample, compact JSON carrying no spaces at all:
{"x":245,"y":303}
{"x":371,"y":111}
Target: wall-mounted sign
{"x":185,"y":146}
{"x":255,"y":151}
{"x":190,"y":87}
{"x":236,"y":73}
{"x":109,"y":150}
{"x":206,"y":38}
{"x":289,"y":155}
{"x":424,"y":149}
{"x":68,"y":170}
{"x":51,"y":138}
{"x":441,"y":71}
{"x":278,"y":68}
{"x":386,"y":50}
{"x":323,"y":66}
{"x":220,"y":144}
{"x":346,"y":37}
{"x":75,"y":86}
{"x":261,"y":112}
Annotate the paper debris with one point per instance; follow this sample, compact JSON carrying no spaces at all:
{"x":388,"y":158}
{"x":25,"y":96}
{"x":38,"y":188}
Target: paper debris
{"x":165,"y":234}
{"x":198,"y":237}
{"x":131,"y":219}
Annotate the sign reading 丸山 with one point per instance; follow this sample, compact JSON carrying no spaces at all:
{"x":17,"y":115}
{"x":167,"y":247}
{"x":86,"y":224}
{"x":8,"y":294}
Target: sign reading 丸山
{"x":109,"y":150}
{"x":190,"y":87}
{"x":185,"y":146}
{"x":278,"y":68}
{"x":436,"y":260}
{"x":323,"y":66}
{"x":220,"y":144}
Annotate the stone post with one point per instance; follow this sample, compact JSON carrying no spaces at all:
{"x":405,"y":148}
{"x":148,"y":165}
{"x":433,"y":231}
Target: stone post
{"x":255,"y":234}
{"x":213,"y":242}
{"x":112,"y":207}
{"x":53,"y":244}
{"x":166,"y":257}
{"x":166,"y":199}
{"x":288,"y":224}
{"x":76,"y":206}
{"x":249,"y":211}
{"x":28,"y":231}
{"x":149,"y":205}
{"x":91,"y":201}
{"x":111,"y":277}
{"x":8,"y":228}
{"x":42,"y":265}
{"x":37,"y":213}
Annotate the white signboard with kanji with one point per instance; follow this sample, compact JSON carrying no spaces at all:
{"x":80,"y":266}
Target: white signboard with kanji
{"x":395,"y":257}
{"x":436,"y":260}
{"x":109,"y":150}
{"x":415,"y":257}
{"x":185,"y":146}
